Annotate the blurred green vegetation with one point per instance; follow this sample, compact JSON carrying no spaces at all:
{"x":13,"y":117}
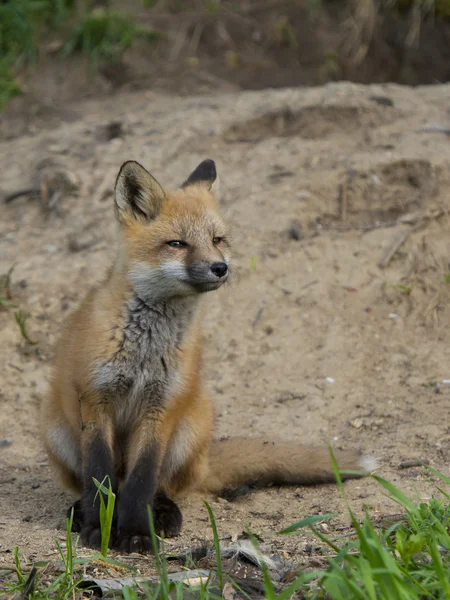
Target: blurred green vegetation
{"x":105,"y":35}
{"x":99,"y":34}
{"x":28,"y":27}
{"x":440,"y":8}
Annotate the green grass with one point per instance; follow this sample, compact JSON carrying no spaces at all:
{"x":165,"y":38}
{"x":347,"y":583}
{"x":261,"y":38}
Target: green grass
{"x":5,"y":282}
{"x":37,"y":585}
{"x":98,"y":34}
{"x":106,"y":512}
{"x":105,"y":35}
{"x":408,"y":560}
{"x":22,"y":23}
{"x":21,"y":320}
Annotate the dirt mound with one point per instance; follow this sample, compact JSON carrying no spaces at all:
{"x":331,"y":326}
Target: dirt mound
{"x":244,"y":46}
{"x":381,"y":195}
{"x":310,"y":122}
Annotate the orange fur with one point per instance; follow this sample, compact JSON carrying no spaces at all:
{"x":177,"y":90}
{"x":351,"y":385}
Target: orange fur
{"x":81,"y":407}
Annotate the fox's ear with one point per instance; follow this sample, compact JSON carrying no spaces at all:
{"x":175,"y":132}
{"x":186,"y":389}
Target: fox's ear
{"x":205,"y":174}
{"x":137,"y":194}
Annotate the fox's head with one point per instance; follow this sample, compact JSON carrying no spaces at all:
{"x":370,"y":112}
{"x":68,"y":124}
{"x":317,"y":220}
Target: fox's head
{"x":176,"y":244}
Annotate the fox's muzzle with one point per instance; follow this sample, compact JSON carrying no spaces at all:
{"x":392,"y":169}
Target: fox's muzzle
{"x":207,"y":276}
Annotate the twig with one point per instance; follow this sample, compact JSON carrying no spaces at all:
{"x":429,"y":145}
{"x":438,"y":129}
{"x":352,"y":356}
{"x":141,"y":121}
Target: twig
{"x":13,"y":195}
{"x":53,"y":202}
{"x":414,"y":218}
{"x":258,"y":316}
{"x":342,"y":202}
{"x":309,"y":284}
{"x":180,"y":41}
{"x":434,"y":129}
{"x":399,"y":240}
{"x":195,"y":39}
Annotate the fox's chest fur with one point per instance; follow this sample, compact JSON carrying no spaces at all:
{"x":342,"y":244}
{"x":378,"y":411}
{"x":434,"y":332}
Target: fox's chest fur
{"x":144,"y":371}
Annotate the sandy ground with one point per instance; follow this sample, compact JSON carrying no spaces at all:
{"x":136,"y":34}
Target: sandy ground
{"x":315,"y":341}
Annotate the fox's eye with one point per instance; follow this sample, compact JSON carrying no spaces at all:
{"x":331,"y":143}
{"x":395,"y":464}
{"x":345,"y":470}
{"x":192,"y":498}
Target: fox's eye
{"x":217,"y":240}
{"x":177,"y":244}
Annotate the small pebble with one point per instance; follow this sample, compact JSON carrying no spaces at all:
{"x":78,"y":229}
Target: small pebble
{"x":295,"y":232}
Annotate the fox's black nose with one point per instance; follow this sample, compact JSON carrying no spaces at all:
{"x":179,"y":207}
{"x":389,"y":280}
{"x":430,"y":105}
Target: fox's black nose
{"x":219,"y":269}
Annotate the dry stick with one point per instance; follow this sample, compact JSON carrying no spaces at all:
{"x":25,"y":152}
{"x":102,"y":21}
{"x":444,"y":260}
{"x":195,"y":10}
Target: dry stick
{"x":309,"y":284}
{"x":413,"y":219}
{"x":195,"y":39}
{"x":222,"y":32}
{"x":399,"y":240}
{"x":13,"y":195}
{"x":180,"y":41}
{"x":342,"y":202}
{"x":53,"y":203}
{"x":403,"y":236}
{"x":258,"y":316}
{"x":434,"y":129}
{"x":343,"y":196}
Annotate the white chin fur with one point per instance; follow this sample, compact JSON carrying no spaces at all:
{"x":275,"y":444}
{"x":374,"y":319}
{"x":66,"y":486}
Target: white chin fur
{"x":157,"y":283}
{"x":369,"y":463}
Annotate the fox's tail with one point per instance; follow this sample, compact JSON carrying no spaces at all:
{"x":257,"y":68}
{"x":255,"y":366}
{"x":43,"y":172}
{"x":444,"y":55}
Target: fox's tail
{"x":238,"y":462}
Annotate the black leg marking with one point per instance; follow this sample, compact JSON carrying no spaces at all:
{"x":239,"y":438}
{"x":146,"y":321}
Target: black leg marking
{"x":78,"y":516}
{"x":167,"y":516}
{"x":98,"y":463}
{"x":133,"y":530}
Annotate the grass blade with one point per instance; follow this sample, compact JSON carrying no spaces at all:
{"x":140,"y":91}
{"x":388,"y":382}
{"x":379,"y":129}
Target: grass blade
{"x":216,"y":544}
{"x":308,"y":522}
{"x":106,"y":512}
{"x":397,"y":495}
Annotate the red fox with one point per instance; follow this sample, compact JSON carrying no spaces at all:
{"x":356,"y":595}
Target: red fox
{"x":127,"y":398}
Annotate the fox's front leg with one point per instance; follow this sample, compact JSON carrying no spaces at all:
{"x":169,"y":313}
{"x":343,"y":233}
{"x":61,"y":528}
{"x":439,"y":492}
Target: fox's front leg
{"x":98,"y":462}
{"x":139,"y":489}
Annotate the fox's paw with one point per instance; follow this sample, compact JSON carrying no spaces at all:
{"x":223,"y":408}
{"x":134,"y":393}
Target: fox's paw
{"x":142,"y":544}
{"x":91,"y":536}
{"x":168,"y":517}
